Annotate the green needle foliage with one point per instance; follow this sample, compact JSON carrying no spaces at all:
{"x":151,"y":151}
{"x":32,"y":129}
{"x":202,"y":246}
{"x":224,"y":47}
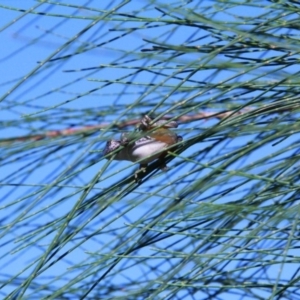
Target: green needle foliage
{"x":222,"y":222}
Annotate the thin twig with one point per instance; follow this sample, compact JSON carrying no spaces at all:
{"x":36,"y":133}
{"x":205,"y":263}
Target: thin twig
{"x":122,"y":125}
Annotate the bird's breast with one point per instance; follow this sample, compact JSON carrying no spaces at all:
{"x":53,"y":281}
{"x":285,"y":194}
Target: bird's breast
{"x":145,"y":150}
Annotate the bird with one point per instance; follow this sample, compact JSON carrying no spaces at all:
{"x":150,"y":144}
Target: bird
{"x":146,"y":145}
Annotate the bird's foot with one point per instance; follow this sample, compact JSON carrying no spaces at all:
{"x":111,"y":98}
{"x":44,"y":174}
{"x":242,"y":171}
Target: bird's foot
{"x":164,"y":167}
{"x":142,"y":169}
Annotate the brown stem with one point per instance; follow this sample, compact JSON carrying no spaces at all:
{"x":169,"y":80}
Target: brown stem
{"x":122,"y":125}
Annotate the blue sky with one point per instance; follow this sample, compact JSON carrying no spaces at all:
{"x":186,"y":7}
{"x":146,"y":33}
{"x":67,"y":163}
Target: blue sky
{"x":46,"y":182}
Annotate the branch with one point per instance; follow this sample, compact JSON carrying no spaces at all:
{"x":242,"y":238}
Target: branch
{"x":134,"y":122}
